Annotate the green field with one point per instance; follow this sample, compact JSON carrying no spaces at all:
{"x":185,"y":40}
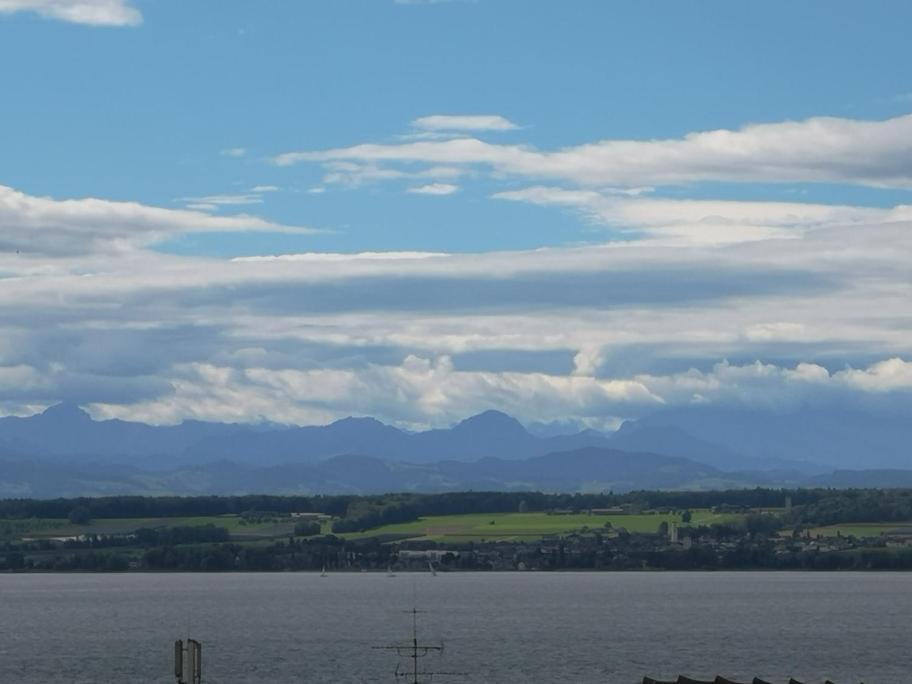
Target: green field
{"x":454,"y":528}
{"x":529,"y":526}
{"x":50,"y":528}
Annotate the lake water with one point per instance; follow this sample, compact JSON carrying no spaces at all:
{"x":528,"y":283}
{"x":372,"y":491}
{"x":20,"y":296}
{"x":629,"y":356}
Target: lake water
{"x":503,"y":627}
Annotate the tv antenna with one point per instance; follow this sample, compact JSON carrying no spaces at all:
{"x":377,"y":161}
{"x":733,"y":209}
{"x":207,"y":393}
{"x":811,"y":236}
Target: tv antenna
{"x":415,"y":673}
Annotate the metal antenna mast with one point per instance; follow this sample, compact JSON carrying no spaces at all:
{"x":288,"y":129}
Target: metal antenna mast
{"x":188,"y":661}
{"x":416,"y":651}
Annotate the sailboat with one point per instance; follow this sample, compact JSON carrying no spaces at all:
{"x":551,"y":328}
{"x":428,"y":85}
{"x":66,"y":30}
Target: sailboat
{"x":432,"y":568}
{"x":323,"y":572}
{"x":389,"y":571}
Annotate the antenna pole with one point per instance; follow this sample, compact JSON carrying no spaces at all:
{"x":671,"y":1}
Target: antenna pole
{"x":415,"y":643}
{"x":188,"y":661}
{"x":416,"y":650}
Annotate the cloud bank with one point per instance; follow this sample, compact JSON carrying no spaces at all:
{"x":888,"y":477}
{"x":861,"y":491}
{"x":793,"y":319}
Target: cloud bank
{"x":811,"y":307}
{"x":691,"y":301}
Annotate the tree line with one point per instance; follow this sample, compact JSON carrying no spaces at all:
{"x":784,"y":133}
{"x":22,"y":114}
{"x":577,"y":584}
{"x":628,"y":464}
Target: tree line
{"x":355,"y":513}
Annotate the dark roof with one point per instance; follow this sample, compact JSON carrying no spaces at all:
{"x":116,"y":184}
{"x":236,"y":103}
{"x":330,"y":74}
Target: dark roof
{"x":719,"y":679}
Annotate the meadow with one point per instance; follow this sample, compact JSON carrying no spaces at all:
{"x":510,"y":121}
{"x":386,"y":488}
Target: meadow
{"x":455,"y":528}
{"x":60,"y":528}
{"x":442,"y":528}
{"x":528,"y":526}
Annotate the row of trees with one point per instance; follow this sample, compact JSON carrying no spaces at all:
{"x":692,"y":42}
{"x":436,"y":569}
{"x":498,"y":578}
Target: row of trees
{"x":810,"y":506}
{"x":854,"y":505}
{"x":170,"y":506}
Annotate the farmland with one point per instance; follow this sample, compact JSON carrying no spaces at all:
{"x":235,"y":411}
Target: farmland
{"x":477,"y":527}
{"x":443,"y":528}
{"x":528,"y":526}
{"x":58,"y":529}
{"x":474,"y":530}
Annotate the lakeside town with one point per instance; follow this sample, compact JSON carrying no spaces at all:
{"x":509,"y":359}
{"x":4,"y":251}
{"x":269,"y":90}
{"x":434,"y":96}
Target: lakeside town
{"x":739,"y":529}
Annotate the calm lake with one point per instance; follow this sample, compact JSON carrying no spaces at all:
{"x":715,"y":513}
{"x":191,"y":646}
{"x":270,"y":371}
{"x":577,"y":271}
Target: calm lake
{"x":510,"y":627}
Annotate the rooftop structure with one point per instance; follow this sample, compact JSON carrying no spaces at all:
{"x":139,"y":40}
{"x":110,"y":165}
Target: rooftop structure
{"x":682,"y":679}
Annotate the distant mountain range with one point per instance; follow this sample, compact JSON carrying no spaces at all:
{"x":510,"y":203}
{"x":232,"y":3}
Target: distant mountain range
{"x":63,"y":452}
{"x":831,"y":438}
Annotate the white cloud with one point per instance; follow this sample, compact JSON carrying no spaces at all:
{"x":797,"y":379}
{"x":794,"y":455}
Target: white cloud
{"x":886,"y":376}
{"x":225,"y":200}
{"x":22,"y":376}
{"x":650,"y":213}
{"x":324,"y":257}
{"x":587,"y":361}
{"x":159,"y":336}
{"x":45,"y":226}
{"x":434,"y":189}
{"x":702,"y":221}
{"x":234,"y":152}
{"x":476,"y":122}
{"x":430,"y":391}
{"x":355,"y":174}
{"x":775,"y":331}
{"x":348,"y":173}
{"x":418,"y":390}
{"x":817,"y":150}
{"x":89,"y":12}
{"x":771,"y":386}
{"x":265,"y":188}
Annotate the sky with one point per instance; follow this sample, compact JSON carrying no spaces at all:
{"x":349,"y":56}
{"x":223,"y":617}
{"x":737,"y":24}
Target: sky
{"x":421,"y":209}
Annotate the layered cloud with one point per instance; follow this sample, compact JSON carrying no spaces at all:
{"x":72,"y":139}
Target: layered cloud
{"x":686,"y":301}
{"x":420,"y":387}
{"x":817,"y":150}
{"x":357,"y":174}
{"x":209,"y":202}
{"x":706,"y":221}
{"x":89,"y":12}
{"x":476,"y":122}
{"x":434,"y":189}
{"x":813,"y":308}
{"x":42,"y":226}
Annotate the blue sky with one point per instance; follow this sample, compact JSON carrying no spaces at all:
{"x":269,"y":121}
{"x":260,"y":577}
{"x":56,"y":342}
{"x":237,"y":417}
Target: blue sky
{"x":710,"y":179}
{"x":141,"y":113}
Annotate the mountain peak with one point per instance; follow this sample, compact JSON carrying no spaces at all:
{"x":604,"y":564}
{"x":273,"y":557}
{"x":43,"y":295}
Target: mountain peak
{"x":359,"y":424}
{"x":363,"y":427}
{"x":66,"y":411}
{"x":491,"y":421}
{"x":357,"y":420}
